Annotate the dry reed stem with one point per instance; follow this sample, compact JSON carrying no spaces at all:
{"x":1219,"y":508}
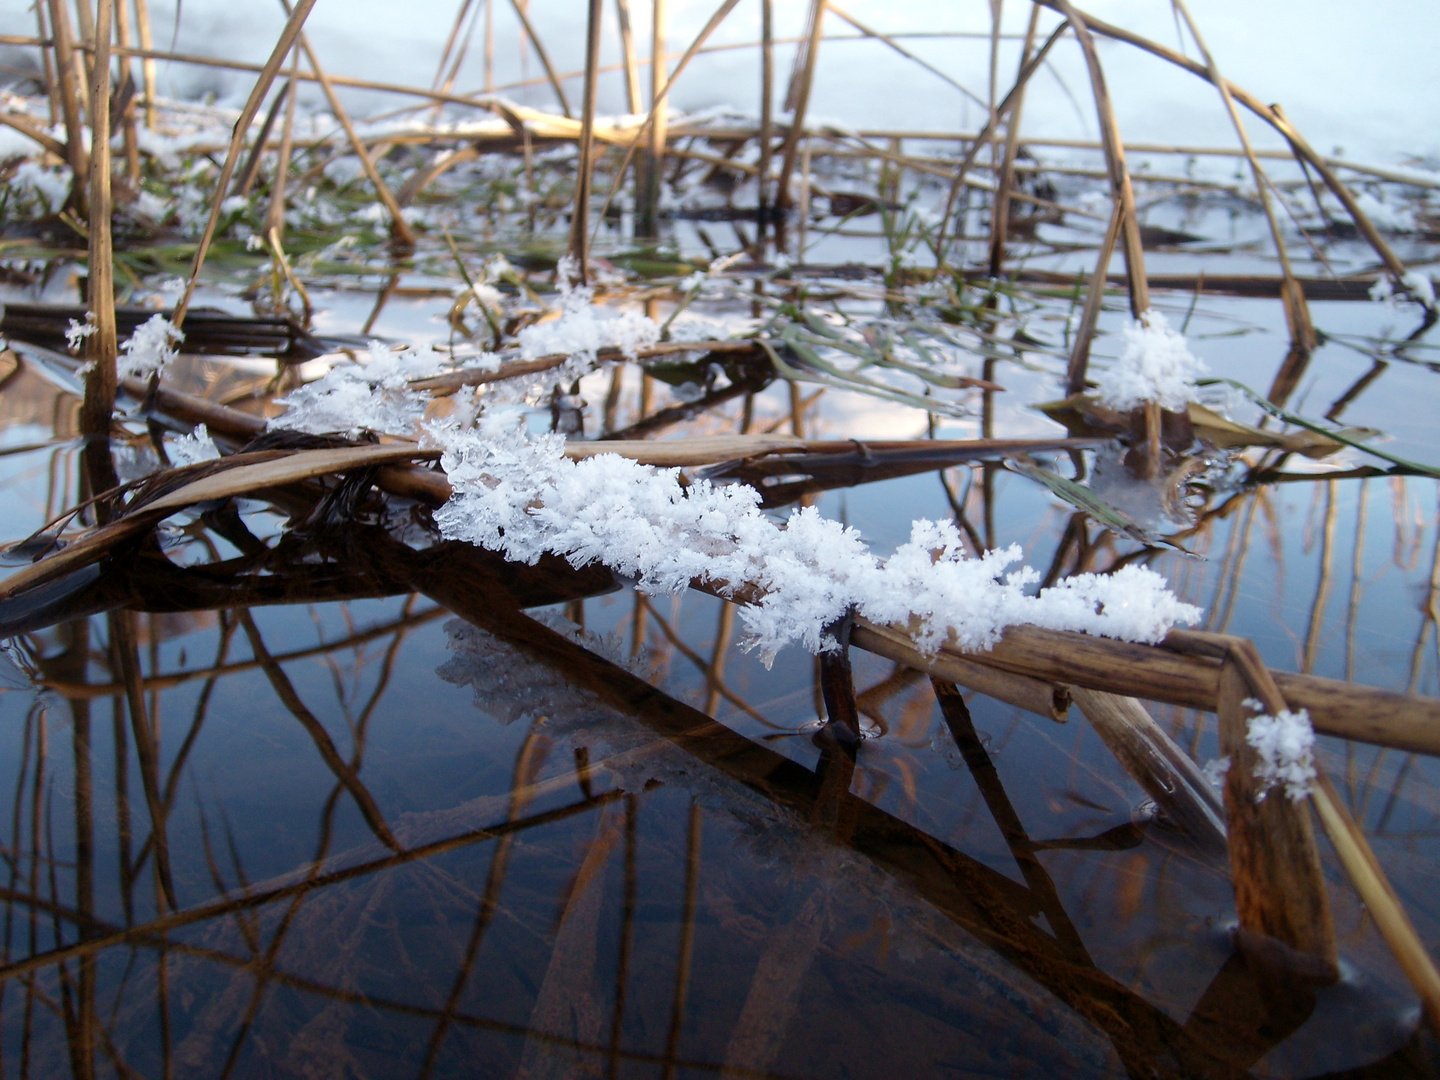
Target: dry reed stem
{"x":1094,"y":301}
{"x":1000,"y":211}
{"x":237,"y":140}
{"x":767,"y":122}
{"x":1165,"y":772}
{"x":1274,"y":864}
{"x":147,"y":63}
{"x":657,"y":106}
{"x":651,"y":177}
{"x":891,"y":43}
{"x":1271,"y":116}
{"x":580,"y":215}
{"x":33,"y":130}
{"x":1120,"y":188}
{"x":982,"y":137}
{"x":555,"y":81}
{"x":800,"y":84}
{"x":65,"y":67}
{"x":102,"y":348}
{"x":127,"y":77}
{"x":1297,"y":312}
{"x":275,"y":213}
{"x":399,"y":227}
{"x":1378,"y":895}
{"x":1041,"y":698}
{"x":627,"y":52}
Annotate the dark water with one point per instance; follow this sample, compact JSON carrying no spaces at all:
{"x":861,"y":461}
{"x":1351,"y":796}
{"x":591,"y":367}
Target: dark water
{"x":352,"y":835}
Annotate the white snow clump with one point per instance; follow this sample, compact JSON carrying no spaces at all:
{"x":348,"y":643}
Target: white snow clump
{"x":371,"y":396}
{"x":149,"y":349}
{"x":584,"y":327}
{"x":523,"y":497}
{"x":1155,"y":365}
{"x":1286,"y":745}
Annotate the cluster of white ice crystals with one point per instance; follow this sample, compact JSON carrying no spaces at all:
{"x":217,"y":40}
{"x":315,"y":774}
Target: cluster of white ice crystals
{"x":1155,"y":365}
{"x":584,"y":327}
{"x":523,"y":497}
{"x":149,"y":348}
{"x":193,"y":448}
{"x":1286,"y":745}
{"x":371,"y":396}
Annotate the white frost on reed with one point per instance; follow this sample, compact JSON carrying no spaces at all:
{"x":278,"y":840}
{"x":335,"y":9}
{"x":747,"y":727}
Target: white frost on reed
{"x":1155,"y":365}
{"x":1286,"y":745}
{"x":193,"y":448}
{"x":371,"y":396}
{"x":523,"y":497}
{"x":149,"y":348}
{"x":584,"y":327}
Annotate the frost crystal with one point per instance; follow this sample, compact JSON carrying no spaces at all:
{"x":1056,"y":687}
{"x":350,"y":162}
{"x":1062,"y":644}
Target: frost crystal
{"x":77,"y":332}
{"x":149,"y":349}
{"x":371,"y":396}
{"x":194,"y":448}
{"x":1155,"y":365}
{"x":584,"y":327}
{"x":1215,"y":770}
{"x":523,"y":497}
{"x":1286,"y":745}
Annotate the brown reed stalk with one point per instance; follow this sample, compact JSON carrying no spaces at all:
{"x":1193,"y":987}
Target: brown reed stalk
{"x":627,"y":51}
{"x":147,"y":63}
{"x":251,"y":169}
{"x":237,"y":141}
{"x":1272,"y":116}
{"x":657,"y":106}
{"x":69,"y":84}
{"x":127,"y":79}
{"x":800,"y":85}
{"x":1120,"y":188}
{"x":890,"y":43}
{"x":1378,"y":895}
{"x":1274,"y":864}
{"x":534,"y":38}
{"x":399,"y":228}
{"x":580,"y":215}
{"x":450,"y":41}
{"x":1094,"y":301}
{"x":767,"y":125}
{"x":1297,"y":311}
{"x":652,"y":175}
{"x":1167,"y":774}
{"x":982,"y":138}
{"x":47,"y":68}
{"x":1005,"y":179}
{"x":102,"y":347}
{"x":275,"y":215}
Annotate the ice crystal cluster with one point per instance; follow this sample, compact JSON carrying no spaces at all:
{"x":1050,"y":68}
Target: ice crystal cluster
{"x":193,"y":448}
{"x":371,"y":396}
{"x":522,"y":497}
{"x":1286,"y":746}
{"x":149,"y":348}
{"x":584,"y":327}
{"x":1154,"y":365}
